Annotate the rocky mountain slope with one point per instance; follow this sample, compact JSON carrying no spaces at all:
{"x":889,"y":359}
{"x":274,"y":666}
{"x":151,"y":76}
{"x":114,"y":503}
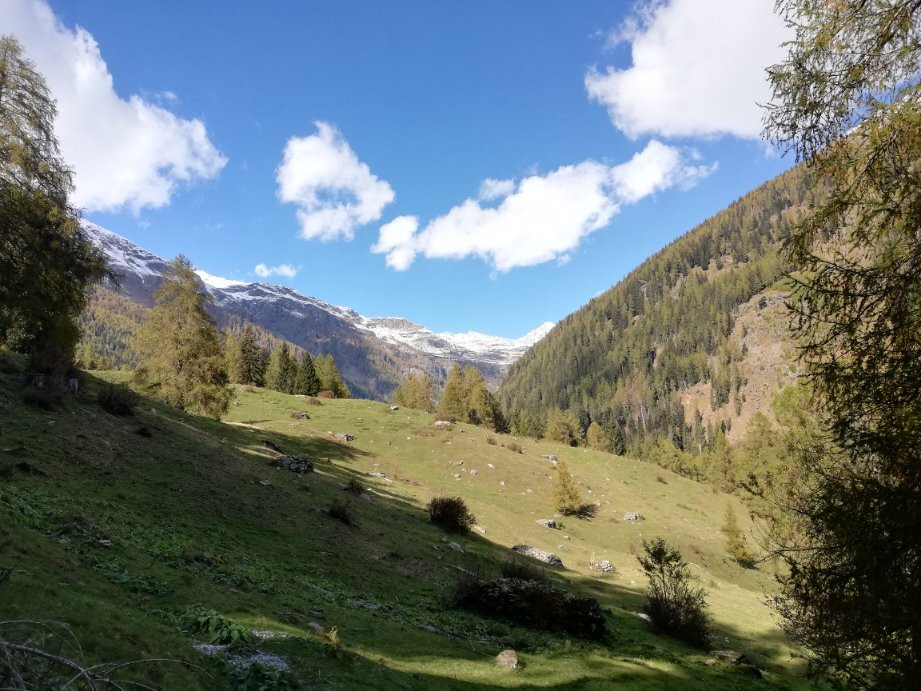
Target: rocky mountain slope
{"x":373,"y":353}
{"x":689,"y":344}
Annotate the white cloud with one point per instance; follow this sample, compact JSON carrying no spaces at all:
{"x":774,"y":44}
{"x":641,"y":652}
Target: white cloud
{"x":335,"y":192}
{"x":284,"y":270}
{"x":125,"y":153}
{"x":491,"y":189}
{"x":543,"y":218}
{"x":698,"y":68}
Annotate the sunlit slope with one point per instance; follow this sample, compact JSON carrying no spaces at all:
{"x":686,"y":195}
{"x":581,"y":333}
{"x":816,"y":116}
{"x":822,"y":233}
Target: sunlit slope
{"x":194,"y":513}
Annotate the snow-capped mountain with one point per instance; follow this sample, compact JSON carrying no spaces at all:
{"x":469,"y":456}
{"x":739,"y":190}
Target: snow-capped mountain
{"x":373,"y":353}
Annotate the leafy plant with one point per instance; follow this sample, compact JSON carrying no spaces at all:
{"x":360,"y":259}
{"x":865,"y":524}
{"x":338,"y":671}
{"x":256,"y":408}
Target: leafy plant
{"x":259,"y":677}
{"x":215,"y":627}
{"x":117,"y":400}
{"x":674,"y":604}
{"x":341,"y":511}
{"x":451,"y":513}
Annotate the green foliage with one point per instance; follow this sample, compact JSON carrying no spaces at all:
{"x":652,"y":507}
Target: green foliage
{"x":596,"y":438}
{"x":233,"y":358}
{"x":330,"y":378}
{"x":46,"y":260}
{"x":416,"y":392}
{"x":451,"y":513}
{"x":735,"y":540}
{"x":254,"y":359}
{"x":181,"y":357}
{"x":117,"y":400}
{"x":259,"y":677}
{"x":109,"y":323}
{"x":533,"y":603}
{"x":342,"y":512}
{"x":563,"y":428}
{"x":465,"y":398}
{"x":566,"y":496}
{"x":214,"y":627}
{"x":674,"y":604}
{"x":307,"y":383}
{"x":846,"y":99}
{"x":626,"y":358}
{"x":282,"y":372}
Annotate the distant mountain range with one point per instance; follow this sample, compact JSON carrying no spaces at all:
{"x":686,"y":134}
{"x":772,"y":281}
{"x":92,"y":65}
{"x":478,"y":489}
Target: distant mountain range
{"x":373,"y":353}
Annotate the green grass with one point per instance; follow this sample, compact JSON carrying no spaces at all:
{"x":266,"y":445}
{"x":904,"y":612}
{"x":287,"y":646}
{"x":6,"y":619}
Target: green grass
{"x":191,"y":522}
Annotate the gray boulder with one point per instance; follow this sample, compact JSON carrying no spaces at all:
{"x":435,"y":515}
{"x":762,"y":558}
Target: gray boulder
{"x":539,"y":554}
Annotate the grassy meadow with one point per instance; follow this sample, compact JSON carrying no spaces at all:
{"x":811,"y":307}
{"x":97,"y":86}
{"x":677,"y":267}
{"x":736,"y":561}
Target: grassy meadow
{"x":116,"y":525}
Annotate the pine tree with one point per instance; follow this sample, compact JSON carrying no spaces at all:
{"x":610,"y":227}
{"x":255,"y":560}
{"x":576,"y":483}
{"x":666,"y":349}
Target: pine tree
{"x":735,"y":540}
{"x":452,"y":404}
{"x":254,"y":359}
{"x":233,"y":358}
{"x":282,"y":372}
{"x":596,"y":438}
{"x":46,"y":260}
{"x":562,"y":428}
{"x":307,"y":382}
{"x":181,"y":356}
{"x":416,"y":392}
{"x":566,"y":495}
{"x":330,"y":378}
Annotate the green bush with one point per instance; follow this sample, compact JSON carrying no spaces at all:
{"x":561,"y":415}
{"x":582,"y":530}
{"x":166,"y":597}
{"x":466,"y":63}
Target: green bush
{"x":341,"y":511}
{"x":450,"y":513}
{"x":522,"y":570}
{"x":117,"y":400}
{"x":675,"y":606}
{"x":534,"y":604}
{"x":258,"y":677}
{"x":214,"y":626}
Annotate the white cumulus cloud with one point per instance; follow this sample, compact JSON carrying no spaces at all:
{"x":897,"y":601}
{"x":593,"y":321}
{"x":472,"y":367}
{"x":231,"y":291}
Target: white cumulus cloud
{"x":698,"y":68}
{"x":334,"y":191}
{"x":541,"y":217}
{"x":284,"y":270}
{"x":125,"y":153}
{"x":491,"y":189}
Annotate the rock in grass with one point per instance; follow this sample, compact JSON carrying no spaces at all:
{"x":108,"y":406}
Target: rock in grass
{"x":539,"y":554}
{"x":507,"y":659}
{"x":547,"y":523}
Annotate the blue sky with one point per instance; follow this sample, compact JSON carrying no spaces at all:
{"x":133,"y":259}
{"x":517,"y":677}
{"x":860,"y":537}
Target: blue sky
{"x":521,"y":157}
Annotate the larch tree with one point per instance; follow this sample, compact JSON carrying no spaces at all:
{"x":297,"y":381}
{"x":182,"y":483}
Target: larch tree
{"x":181,"y":359}
{"x":566,"y":496}
{"x":847,"y":100}
{"x":416,"y":392}
{"x":46,"y":260}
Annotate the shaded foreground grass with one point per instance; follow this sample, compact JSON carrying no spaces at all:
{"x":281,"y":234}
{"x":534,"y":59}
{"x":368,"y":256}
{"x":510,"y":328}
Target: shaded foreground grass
{"x":115,"y":525}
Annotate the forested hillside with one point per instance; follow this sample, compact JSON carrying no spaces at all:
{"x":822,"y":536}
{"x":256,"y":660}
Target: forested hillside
{"x":632,"y":356}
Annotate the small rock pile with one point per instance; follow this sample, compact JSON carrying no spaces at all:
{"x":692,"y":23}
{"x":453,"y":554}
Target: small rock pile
{"x":295,"y":464}
{"x":539,"y":554}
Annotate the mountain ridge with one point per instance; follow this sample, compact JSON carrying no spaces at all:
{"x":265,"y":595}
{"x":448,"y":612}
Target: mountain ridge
{"x":374,"y":353}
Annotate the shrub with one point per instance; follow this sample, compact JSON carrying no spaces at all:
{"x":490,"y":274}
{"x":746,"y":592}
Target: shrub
{"x":214,"y":626}
{"x":491,"y":440}
{"x":675,"y":605}
{"x":259,"y":677}
{"x":341,"y":511}
{"x":515,"y":448}
{"x":522,"y":570}
{"x":451,"y":513}
{"x":354,"y":486}
{"x":299,"y":415}
{"x":326,"y":393}
{"x":314,"y":401}
{"x":117,"y":400}
{"x":534,"y":604}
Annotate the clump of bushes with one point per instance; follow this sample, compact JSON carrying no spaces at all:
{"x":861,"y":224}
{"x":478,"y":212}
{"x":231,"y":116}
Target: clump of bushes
{"x":314,"y":401}
{"x":674,"y":604}
{"x":491,"y":440}
{"x":214,"y":627}
{"x":532,"y":603}
{"x":353,"y":486}
{"x":341,"y":511}
{"x":326,"y":393}
{"x":513,"y":447}
{"x":451,"y":513}
{"x":117,"y":400}
{"x":258,"y":676}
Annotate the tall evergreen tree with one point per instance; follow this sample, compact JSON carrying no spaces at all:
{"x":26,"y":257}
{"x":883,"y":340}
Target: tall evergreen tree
{"x":282,"y":372}
{"x":566,"y":495}
{"x":416,"y":392}
{"x":452,"y":404}
{"x":180,"y":354}
{"x":330,"y":378}
{"x":46,"y":260}
{"x":233,"y":358}
{"x":848,"y":100}
{"x":307,"y":382}
{"x":254,"y":359}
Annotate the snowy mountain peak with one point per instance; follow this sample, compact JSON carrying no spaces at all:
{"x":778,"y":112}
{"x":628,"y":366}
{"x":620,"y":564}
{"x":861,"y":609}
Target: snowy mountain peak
{"x":141,"y":272}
